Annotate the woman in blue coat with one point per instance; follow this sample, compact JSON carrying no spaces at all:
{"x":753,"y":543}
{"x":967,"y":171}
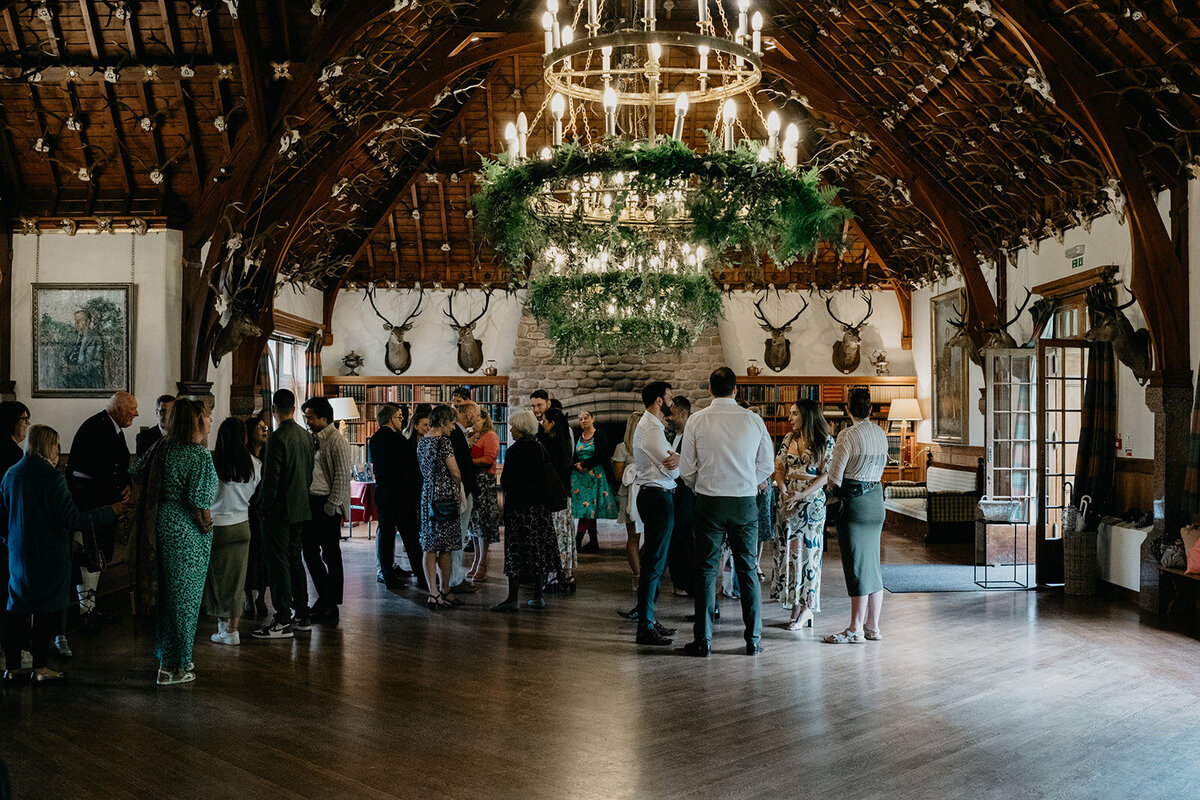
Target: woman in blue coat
{"x":37,"y":518}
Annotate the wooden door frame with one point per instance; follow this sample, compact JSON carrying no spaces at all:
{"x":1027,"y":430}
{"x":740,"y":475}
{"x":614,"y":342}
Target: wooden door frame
{"x":1049,"y":551}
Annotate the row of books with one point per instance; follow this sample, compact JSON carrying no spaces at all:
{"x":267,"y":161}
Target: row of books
{"x":821,"y":393}
{"x":425,"y":393}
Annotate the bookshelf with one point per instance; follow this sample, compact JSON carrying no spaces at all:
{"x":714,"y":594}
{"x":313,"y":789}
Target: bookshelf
{"x":370,"y":392}
{"x":773,"y":395}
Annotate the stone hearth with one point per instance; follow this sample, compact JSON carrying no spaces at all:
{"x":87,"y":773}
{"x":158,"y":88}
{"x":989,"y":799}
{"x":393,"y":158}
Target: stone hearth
{"x":610,"y":388}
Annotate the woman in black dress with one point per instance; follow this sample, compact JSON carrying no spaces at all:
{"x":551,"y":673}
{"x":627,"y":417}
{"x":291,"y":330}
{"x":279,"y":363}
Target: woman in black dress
{"x":440,"y":483}
{"x":256,"y":565}
{"x":14,"y":424}
{"x":555,"y":437}
{"x":530,"y":544}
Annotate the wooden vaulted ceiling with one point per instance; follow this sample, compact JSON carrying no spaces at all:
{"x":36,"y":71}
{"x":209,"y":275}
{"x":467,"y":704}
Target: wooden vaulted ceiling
{"x":337,"y":141}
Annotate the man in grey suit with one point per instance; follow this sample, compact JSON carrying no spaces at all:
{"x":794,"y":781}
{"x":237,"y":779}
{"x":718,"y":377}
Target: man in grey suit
{"x":287,"y":474}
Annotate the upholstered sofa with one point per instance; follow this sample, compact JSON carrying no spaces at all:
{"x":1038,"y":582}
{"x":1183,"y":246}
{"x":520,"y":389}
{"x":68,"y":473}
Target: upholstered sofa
{"x":940,"y":510}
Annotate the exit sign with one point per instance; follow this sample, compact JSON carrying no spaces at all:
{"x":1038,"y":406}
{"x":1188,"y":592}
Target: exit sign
{"x":1076,"y":255}
{"x":1076,"y":263}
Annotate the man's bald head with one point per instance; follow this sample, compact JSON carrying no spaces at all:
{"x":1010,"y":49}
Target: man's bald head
{"x":123,"y":408}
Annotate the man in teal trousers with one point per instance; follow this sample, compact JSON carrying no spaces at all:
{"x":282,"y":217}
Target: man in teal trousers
{"x":726,"y":455}
{"x":287,"y":473}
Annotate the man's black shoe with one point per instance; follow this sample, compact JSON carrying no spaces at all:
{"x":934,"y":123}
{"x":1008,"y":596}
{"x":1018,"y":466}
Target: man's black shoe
{"x":698,"y":649}
{"x":753,"y":649}
{"x":663,"y":630}
{"x":631,"y":614}
{"x":652,"y":637}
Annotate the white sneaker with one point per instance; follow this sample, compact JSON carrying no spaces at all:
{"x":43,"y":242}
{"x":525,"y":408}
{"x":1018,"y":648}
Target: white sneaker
{"x":224,"y":635}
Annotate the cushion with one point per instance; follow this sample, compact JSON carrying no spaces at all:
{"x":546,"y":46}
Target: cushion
{"x":941,"y":479}
{"x":1190,"y":535}
{"x":1193,"y":565}
{"x":913,"y":490}
{"x":909,"y":506}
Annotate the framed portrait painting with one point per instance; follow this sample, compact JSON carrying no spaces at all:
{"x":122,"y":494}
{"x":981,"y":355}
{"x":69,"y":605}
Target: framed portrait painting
{"x":81,"y":336}
{"x":949,"y":406}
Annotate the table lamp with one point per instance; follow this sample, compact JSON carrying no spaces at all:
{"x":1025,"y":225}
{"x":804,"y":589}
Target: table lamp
{"x":344,"y":409}
{"x":904,"y":409}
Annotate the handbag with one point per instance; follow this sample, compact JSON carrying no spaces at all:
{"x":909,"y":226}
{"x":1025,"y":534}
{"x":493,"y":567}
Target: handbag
{"x":444,"y":510}
{"x":86,"y":551}
{"x":554,"y":485}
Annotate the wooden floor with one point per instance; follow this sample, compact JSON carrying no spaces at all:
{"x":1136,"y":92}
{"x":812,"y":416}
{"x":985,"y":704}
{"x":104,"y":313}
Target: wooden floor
{"x":972,"y":695}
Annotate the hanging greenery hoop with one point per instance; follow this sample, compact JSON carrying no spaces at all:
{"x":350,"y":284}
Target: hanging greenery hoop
{"x":620,"y":240}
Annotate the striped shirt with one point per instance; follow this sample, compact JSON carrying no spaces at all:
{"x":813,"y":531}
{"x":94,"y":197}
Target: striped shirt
{"x":860,"y":454}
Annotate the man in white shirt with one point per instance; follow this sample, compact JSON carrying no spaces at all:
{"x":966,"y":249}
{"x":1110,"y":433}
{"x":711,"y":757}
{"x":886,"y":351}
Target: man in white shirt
{"x":726,"y":457}
{"x":657,"y":467}
{"x":681,"y":560}
{"x":329,"y":502}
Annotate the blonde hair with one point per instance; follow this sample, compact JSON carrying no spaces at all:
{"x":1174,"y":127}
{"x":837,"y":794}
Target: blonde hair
{"x":630,"y":426}
{"x":40,"y":440}
{"x":485,"y":424}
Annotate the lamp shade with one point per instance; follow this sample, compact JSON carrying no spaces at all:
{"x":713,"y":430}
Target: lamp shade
{"x":343,"y":408}
{"x":905,"y":408}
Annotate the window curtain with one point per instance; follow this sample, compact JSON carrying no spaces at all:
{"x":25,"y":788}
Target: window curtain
{"x":268,"y":380}
{"x":1096,"y":462}
{"x":312,"y":364}
{"x":1191,"y":481}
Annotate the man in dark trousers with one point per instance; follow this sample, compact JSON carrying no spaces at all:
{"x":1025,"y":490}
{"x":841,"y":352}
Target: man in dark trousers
{"x":657,"y":468}
{"x":681,"y":559}
{"x":162,"y":410}
{"x":397,"y":497}
{"x":287,"y":474}
{"x":98,"y":475}
{"x":468,"y":416}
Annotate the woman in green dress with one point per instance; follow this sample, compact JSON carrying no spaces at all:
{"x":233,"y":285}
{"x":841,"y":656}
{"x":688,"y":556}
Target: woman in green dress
{"x":592,"y":495}
{"x":178,"y":485}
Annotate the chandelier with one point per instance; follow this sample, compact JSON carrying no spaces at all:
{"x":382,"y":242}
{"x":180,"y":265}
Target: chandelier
{"x":620,"y":225}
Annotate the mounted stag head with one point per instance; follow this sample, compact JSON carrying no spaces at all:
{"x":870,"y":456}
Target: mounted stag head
{"x":778,"y":350}
{"x":398,"y":355}
{"x":470,"y":349}
{"x":242,"y":296}
{"x":962,"y":339}
{"x":1042,"y":312}
{"x":1132,"y":348}
{"x":999,"y":337}
{"x":846,"y":355}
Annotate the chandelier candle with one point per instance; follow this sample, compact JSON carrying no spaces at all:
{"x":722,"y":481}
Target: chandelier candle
{"x":729,"y":115}
{"x":548,"y":28}
{"x":681,"y":109}
{"x":522,"y":134}
{"x":558,"y":106}
{"x":773,"y":133}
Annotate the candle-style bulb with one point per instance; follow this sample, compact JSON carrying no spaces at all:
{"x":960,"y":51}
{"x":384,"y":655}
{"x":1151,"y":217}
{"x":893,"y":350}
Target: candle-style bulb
{"x":610,"y":99}
{"x":548,"y":32}
{"x":552,"y":7}
{"x":773,"y":125}
{"x":558,"y":105}
{"x":510,"y":136}
{"x":756,"y":23}
{"x":522,"y":134}
{"x":681,"y":109}
{"x":792,"y":135}
{"x":729,"y":114}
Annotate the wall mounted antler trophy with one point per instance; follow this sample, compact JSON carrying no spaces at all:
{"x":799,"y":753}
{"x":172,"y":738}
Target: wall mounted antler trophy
{"x":1132,"y":348}
{"x":398,"y":355}
{"x":846,"y":355}
{"x":777,"y":353}
{"x":470,"y":349}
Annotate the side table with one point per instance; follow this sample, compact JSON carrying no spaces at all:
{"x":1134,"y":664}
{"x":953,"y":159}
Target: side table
{"x":996,"y":576}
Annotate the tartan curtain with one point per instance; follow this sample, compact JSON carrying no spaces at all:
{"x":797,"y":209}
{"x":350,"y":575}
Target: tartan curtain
{"x":312,"y":365}
{"x":1191,"y":481}
{"x":1096,"y":462}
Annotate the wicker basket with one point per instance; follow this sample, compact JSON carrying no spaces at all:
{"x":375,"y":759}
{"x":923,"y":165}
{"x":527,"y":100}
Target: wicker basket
{"x":1081,"y":566}
{"x":995,"y":509}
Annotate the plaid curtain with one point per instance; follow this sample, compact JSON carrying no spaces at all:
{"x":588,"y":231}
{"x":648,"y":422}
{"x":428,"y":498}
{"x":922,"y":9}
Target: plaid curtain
{"x":1096,"y":463}
{"x":1191,"y":481}
{"x":312,"y":365}
{"x":266,"y":380}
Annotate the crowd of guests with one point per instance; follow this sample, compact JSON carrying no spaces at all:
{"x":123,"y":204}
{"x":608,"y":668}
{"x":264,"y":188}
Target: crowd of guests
{"x":224,"y":530}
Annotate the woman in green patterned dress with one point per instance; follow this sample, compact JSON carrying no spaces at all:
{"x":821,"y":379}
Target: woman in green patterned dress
{"x":592,"y":495}
{"x":178,"y":484}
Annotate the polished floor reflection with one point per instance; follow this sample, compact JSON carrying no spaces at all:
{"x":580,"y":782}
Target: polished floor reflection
{"x":972,"y":694}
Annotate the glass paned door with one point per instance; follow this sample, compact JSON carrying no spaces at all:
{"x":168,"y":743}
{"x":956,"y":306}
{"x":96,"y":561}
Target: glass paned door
{"x":1012,"y":425}
{"x":1063,"y":370}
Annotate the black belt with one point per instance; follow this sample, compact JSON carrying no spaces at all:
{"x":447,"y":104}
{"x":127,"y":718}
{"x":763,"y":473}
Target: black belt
{"x":847,"y":492}
{"x":655,"y":489}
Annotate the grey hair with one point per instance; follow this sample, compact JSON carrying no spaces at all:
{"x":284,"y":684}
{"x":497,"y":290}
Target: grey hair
{"x":119,"y":399}
{"x":524,"y":423}
{"x":40,"y":440}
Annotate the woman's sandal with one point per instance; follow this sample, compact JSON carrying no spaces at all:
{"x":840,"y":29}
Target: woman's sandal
{"x":445,"y":600}
{"x":874,"y":634}
{"x":479,"y":577}
{"x":845,"y":637}
{"x":434,"y":601}
{"x":805,"y":620}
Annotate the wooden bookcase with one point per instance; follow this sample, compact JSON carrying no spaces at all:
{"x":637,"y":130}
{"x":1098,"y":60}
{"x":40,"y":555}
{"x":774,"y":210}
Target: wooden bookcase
{"x":370,"y":392}
{"x":773,"y":395}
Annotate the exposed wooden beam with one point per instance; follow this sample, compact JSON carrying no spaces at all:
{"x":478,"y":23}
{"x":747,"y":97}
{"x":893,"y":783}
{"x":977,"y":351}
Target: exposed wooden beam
{"x":250,"y":64}
{"x":114,"y":116}
{"x":1090,"y":106}
{"x":87,"y":71}
{"x":95,"y":44}
{"x":193,"y":132}
{"x":147,"y":98}
{"x":417,"y":220}
{"x":445,"y":225}
{"x":166,"y":11}
{"x":394,"y":245}
{"x":43,"y":130}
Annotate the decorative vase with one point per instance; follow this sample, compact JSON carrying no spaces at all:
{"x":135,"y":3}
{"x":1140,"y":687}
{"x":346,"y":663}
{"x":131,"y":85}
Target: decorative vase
{"x":352,"y":361}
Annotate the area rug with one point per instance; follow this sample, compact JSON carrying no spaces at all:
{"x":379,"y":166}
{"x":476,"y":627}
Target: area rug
{"x":908,"y":578}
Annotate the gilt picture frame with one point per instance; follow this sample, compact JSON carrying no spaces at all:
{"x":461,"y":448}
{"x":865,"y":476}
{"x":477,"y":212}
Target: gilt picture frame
{"x":81,"y":339}
{"x":949,"y":366}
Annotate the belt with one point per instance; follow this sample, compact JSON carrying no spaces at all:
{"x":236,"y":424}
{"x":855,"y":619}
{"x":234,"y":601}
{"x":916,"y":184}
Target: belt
{"x":649,"y":488}
{"x":855,"y":490}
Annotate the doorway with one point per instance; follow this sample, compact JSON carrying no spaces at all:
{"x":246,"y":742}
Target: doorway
{"x":1063,"y":369}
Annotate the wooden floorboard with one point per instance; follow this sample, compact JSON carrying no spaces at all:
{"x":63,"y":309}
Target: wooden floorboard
{"x":972,"y":694}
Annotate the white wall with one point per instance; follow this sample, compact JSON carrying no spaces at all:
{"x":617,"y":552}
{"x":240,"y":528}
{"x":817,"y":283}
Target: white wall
{"x":1106,"y":243}
{"x":155,"y":328}
{"x":305,"y":302}
{"x":814,"y":333}
{"x":434,"y":342}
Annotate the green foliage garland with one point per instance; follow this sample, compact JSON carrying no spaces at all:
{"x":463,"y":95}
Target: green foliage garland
{"x":731,"y":202}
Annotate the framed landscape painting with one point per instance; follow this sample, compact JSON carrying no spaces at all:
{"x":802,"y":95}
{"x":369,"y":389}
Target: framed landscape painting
{"x":81,"y":335}
{"x":949,"y":406}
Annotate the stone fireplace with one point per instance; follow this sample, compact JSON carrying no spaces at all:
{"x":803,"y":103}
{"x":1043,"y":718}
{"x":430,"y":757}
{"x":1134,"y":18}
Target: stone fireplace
{"x":610,"y":388}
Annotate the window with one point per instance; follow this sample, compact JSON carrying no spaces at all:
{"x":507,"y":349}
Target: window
{"x":288,"y":369}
